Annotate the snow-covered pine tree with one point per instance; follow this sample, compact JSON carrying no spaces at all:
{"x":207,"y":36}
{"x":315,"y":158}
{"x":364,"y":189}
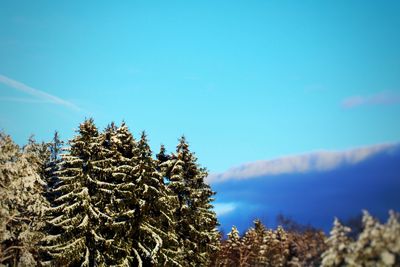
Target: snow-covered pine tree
{"x":391,"y":238}
{"x":364,"y":252}
{"x":282,"y":238}
{"x":51,"y":166}
{"x":105,"y":167}
{"x":305,"y":247}
{"x":375,"y":245}
{"x":142,"y":228}
{"x":162,"y":157}
{"x":231,"y":250}
{"x":338,"y":246}
{"x":259,"y":244}
{"x":277,"y":247}
{"x":55,"y":146}
{"x":153,"y":213}
{"x":21,"y":202}
{"x":121,"y":205}
{"x":38,"y":155}
{"x":195,"y":219}
{"x":254,"y":248}
{"x":74,"y":228}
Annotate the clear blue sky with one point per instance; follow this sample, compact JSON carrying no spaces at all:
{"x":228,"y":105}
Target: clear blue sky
{"x":243,"y":80}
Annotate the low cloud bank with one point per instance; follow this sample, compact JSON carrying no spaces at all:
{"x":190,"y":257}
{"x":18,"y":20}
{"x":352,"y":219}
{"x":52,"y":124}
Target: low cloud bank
{"x":311,"y":162}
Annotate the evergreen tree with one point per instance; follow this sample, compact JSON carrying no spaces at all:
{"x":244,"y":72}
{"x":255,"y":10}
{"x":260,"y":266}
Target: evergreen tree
{"x":305,"y":248}
{"x":51,"y":166}
{"x":162,"y":157}
{"x":232,"y":249}
{"x":56,"y":147}
{"x":363,"y":250}
{"x":143,"y":227}
{"x":122,"y":204}
{"x":376,"y":244}
{"x":74,"y":229}
{"x":196,"y":221}
{"x":154,"y":217}
{"x":248,"y":253}
{"x":21,"y":202}
{"x":253,"y":250}
{"x":38,"y":156}
{"x":338,"y":246}
{"x":277,"y":247}
{"x":266,"y":247}
{"x":259,"y":244}
{"x":105,"y":162}
{"x":262,"y":247}
{"x":391,"y":239}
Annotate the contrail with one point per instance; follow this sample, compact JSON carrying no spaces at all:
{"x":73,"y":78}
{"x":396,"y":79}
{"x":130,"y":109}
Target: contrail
{"x":37,"y":93}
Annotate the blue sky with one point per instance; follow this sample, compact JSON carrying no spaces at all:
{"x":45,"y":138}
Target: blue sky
{"x":243,"y":80}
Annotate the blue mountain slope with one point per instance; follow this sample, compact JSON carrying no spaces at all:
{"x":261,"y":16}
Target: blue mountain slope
{"x":315,"y":197}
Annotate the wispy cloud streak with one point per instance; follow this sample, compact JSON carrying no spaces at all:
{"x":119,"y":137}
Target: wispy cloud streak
{"x":36,"y":93}
{"x":315,"y":161}
{"x":383,"y":98}
{"x":224,"y":208}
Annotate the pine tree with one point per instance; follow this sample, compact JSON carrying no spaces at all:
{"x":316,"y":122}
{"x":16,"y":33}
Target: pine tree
{"x":232,"y":249}
{"x":338,"y":246}
{"x":21,"y":202}
{"x":248,"y":253}
{"x":363,"y":251}
{"x":38,"y":156}
{"x":122,"y":203}
{"x":253,"y":249}
{"x":104,"y":164}
{"x":305,"y":248}
{"x":143,"y":227}
{"x":229,"y":253}
{"x":377,"y":244}
{"x":277,"y":247}
{"x":51,"y":166}
{"x":162,"y":157}
{"x":259,"y":244}
{"x":56,"y":146}
{"x":196,"y":221}
{"x":153,"y":214}
{"x":391,"y":239}
{"x":74,"y":229}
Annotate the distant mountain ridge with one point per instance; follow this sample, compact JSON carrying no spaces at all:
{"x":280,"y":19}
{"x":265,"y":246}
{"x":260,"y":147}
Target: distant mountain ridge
{"x":314,"y":196}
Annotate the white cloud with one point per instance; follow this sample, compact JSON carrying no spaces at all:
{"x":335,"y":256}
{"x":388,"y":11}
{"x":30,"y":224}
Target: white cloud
{"x":383,"y":98}
{"x":224,"y":208}
{"x":315,"y":161}
{"x":36,"y":93}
